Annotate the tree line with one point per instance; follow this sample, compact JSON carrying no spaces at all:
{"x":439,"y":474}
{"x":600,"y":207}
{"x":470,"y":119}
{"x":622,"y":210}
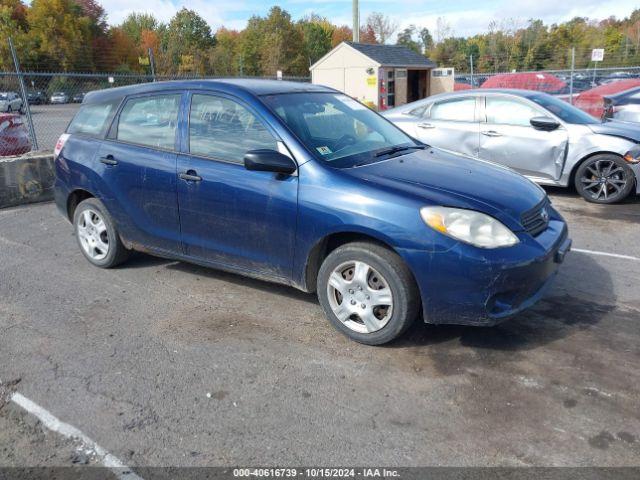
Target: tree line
{"x":74,"y":36}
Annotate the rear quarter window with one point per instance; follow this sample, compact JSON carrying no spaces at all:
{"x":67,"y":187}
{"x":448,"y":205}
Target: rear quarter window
{"x":93,"y":119}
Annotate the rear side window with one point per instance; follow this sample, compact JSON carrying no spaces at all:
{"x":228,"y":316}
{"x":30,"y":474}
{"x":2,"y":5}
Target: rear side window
{"x":224,"y":129}
{"x":150,"y":121}
{"x":93,"y":119}
{"x":457,"y":110}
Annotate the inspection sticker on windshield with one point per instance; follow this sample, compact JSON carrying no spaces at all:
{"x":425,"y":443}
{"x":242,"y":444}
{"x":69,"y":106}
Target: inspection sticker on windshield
{"x":324,"y":150}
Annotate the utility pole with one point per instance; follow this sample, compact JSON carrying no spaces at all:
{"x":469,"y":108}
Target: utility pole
{"x":471,"y":63}
{"x":152,"y":63}
{"x":356,"y":21}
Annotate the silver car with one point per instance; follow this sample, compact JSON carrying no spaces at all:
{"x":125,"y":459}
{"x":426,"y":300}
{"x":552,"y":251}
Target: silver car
{"x":59,"y":97}
{"x":542,"y":137}
{"x":10,"y":102}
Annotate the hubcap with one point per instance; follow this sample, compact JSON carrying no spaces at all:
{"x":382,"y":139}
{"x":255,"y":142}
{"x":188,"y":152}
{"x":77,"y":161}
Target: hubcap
{"x":360,"y":297}
{"x":92,"y":233}
{"x":603,"y":179}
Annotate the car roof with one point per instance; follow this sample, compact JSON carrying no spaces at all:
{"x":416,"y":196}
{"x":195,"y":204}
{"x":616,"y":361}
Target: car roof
{"x":483,"y":91}
{"x":466,"y":93}
{"x":256,"y":87}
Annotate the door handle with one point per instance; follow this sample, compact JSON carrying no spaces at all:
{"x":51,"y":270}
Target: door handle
{"x":491,"y":133}
{"x":108,"y":160}
{"x":190,"y":176}
{"x":426,"y":125}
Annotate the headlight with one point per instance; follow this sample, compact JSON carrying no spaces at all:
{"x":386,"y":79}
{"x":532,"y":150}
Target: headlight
{"x":469,"y":226}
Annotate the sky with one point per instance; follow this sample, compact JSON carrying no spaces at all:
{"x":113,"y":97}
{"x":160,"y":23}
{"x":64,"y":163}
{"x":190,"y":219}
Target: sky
{"x":466,"y":17}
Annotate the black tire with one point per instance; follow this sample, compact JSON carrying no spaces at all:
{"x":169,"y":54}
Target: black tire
{"x":405,"y":294}
{"x":604,"y":178}
{"x":117,"y":252}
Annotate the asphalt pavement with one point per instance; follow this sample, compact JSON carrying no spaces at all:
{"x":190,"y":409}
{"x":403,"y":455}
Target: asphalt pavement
{"x":165,"y":363}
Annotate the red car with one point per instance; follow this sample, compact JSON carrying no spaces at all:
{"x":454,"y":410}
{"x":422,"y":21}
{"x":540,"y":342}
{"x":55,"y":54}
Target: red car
{"x":14,"y":136}
{"x":592,"y":101}
{"x":539,"y":81}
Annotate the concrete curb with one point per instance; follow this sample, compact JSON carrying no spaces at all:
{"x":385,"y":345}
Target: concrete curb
{"x":26,"y":179}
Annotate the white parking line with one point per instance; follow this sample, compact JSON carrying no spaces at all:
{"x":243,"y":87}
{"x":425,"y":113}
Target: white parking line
{"x":119,"y":469}
{"x":606,"y":254}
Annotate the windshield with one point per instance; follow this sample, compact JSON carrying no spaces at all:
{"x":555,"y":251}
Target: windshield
{"x":564,"y":110}
{"x":338,"y":129}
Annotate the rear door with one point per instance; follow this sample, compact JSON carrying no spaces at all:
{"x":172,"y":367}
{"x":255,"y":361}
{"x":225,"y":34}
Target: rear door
{"x":228,"y":215}
{"x":138,"y":166}
{"x":451,"y":124}
{"x":507,"y":137}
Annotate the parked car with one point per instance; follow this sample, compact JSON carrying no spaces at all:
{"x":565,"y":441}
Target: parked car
{"x":302,"y":185}
{"x":623,"y":106}
{"x":78,"y":97}
{"x":59,"y":97}
{"x":36,"y":97}
{"x":592,"y":100}
{"x":10,"y":102}
{"x":540,"y":136}
{"x":14,"y":136}
{"x":538,"y":81}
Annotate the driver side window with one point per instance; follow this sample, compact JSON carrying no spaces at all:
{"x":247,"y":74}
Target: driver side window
{"x":506,"y":111}
{"x":224,"y":129}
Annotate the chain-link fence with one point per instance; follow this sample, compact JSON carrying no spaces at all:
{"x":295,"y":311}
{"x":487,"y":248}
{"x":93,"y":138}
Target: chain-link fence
{"x":53,"y":99}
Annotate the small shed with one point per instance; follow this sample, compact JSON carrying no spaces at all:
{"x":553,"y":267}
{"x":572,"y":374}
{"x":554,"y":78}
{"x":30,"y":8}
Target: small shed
{"x":381,"y":76}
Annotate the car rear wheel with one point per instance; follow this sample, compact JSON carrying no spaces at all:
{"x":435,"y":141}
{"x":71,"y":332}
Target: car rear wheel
{"x":604,"y":178}
{"x":97,"y":236}
{"x":368,"y":293}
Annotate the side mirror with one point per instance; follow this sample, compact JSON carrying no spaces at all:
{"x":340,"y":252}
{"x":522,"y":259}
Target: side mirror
{"x":544,"y":123}
{"x":265,"y":160}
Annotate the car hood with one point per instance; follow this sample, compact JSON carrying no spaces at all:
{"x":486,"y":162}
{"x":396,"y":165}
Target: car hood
{"x":437,"y":177}
{"x":617,"y":129}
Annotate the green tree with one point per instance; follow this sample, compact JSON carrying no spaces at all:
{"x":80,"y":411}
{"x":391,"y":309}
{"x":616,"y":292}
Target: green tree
{"x":135,"y":23}
{"x":406,"y":38}
{"x":317,"y":33}
{"x":188,"y":40}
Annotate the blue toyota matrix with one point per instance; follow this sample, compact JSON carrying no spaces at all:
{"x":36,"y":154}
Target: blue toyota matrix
{"x":302,"y":185}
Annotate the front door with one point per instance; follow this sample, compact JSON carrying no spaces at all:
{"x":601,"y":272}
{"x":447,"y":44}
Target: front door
{"x":507,"y":137}
{"x":231,"y":216}
{"x":451,"y":125}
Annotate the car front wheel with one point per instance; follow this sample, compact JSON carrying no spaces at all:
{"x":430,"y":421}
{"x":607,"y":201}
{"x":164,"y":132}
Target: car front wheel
{"x":604,"y":178}
{"x":97,"y":236}
{"x":368,"y":293}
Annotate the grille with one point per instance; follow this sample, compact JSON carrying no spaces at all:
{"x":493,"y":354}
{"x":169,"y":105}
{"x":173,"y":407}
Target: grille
{"x":536,"y":220}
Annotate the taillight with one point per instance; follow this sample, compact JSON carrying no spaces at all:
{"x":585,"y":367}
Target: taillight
{"x":60,"y":145}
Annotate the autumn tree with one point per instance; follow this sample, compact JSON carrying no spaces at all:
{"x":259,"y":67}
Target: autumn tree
{"x":60,"y":34}
{"x":188,"y":40}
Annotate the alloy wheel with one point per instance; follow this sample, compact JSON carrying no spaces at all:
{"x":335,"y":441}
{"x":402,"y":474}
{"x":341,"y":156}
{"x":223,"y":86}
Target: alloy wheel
{"x":92,"y":232}
{"x":603,"y":180}
{"x":360,"y":297}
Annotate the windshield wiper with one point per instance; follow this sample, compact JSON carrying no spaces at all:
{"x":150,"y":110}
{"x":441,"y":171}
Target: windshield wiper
{"x":397,"y":149}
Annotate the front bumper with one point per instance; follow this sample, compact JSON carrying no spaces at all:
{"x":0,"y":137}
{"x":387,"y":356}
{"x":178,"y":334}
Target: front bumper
{"x":472,"y":286}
